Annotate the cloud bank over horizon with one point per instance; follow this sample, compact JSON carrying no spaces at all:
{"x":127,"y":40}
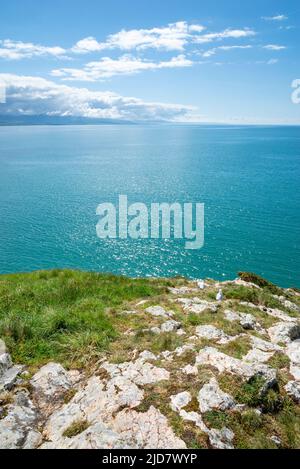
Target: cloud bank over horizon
{"x":34,"y":96}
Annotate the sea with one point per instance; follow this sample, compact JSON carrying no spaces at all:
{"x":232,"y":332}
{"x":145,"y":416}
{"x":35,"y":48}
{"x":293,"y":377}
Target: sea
{"x":52,"y":179}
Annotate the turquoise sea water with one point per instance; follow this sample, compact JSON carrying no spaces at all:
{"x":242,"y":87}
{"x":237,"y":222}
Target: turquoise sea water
{"x":53,"y":178}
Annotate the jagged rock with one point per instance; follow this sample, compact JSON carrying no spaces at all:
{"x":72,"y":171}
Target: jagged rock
{"x":138,"y":372}
{"x":155,"y":330}
{"x":212,"y":333}
{"x":211,"y":397}
{"x":182,"y":350}
{"x":18,"y":428}
{"x":148,"y":430}
{"x":182,"y":290}
{"x":190,"y":370}
{"x":195,"y":418}
{"x":170,"y":326}
{"x":97,"y":436}
{"x":8,"y":372}
{"x":288,"y":304}
{"x":275,"y":313}
{"x":258,"y":356}
{"x":181,"y":400}
{"x":221,"y":439}
{"x":9,"y":377}
{"x":159,"y":311}
{"x":197,"y":306}
{"x":284,"y":332}
{"x":5,"y":363}
{"x":295,"y":371}
{"x":264,"y":345}
{"x":247,"y":321}
{"x":94,"y":403}
{"x":49,"y":385}
{"x":293,"y":389}
{"x":293,"y":352}
{"x":146,"y":355}
{"x":225,"y":363}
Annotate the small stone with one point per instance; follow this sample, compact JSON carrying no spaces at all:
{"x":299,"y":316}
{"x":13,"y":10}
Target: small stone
{"x":159,"y":311}
{"x":181,"y":400}
{"x":170,"y":326}
{"x":190,"y":370}
{"x":276,"y":440}
{"x":146,"y":355}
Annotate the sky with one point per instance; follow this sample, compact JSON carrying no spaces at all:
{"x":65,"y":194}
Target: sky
{"x":172,"y":60}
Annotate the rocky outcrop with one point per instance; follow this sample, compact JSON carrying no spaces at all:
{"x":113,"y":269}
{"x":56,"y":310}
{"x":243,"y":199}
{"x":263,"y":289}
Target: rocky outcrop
{"x":9,"y":373}
{"x":149,"y":430}
{"x":226,"y":364}
{"x":211,"y":397}
{"x":18,"y":429}
{"x":284,"y":332}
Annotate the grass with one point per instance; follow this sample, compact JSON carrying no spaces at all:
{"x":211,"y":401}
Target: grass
{"x":65,"y":316}
{"x":76,"y":428}
{"x":260,"y":282}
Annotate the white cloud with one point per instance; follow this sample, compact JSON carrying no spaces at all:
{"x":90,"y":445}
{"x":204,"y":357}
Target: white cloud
{"x":33,"y":96}
{"x":15,"y":50}
{"x":274,"y":47}
{"x":125,"y":65}
{"x":228,"y":33}
{"x":213,"y":51}
{"x":275,"y":18}
{"x":89,"y":44}
{"x":172,"y":37}
{"x":272,"y":61}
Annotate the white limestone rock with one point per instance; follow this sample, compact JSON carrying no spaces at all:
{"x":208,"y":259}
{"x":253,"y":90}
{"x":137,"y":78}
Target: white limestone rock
{"x":224,"y":363}
{"x":212,"y":333}
{"x":170,"y":326}
{"x":97,"y":436}
{"x":138,"y":372}
{"x":293,"y":389}
{"x":197,"y":306}
{"x":190,"y":370}
{"x":159,"y":311}
{"x":284,"y":332}
{"x":146,"y":355}
{"x":211,"y":397}
{"x":18,"y":429}
{"x":221,"y":439}
{"x":149,"y":430}
{"x":182,"y":290}
{"x":9,"y":377}
{"x":295,"y":371}
{"x":181,"y":400}
{"x":49,"y":385}
{"x":264,"y":345}
{"x":258,"y":356}
{"x":293,"y":352}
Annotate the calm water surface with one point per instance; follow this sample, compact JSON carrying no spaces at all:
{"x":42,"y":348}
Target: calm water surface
{"x":53,"y":178}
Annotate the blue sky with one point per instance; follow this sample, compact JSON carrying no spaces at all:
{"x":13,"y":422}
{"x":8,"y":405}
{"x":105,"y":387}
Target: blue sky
{"x":180,"y":60}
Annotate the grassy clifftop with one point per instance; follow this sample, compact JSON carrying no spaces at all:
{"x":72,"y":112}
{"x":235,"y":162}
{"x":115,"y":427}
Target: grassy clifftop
{"x":245,"y":346}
